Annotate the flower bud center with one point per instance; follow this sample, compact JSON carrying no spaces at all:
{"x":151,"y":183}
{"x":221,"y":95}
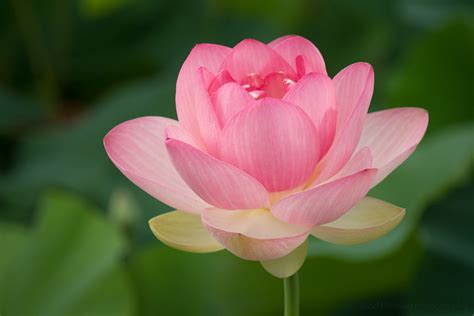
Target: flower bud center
{"x":274,"y":85}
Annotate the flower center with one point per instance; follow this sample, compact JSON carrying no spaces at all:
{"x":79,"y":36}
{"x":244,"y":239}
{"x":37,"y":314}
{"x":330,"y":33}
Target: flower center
{"x":274,"y":85}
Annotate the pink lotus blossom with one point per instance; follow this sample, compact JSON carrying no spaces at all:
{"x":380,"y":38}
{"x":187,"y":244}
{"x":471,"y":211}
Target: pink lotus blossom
{"x":268,"y":149}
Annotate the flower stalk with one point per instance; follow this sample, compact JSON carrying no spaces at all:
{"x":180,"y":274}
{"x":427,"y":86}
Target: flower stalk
{"x":292,"y":295}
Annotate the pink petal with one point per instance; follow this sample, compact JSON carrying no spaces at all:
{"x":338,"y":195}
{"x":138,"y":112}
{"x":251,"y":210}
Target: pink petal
{"x":316,"y":95}
{"x":292,"y":46}
{"x":392,"y":135}
{"x":354,"y":88}
{"x":273,"y":141}
{"x":361,"y":160}
{"x":215,"y":181}
{"x":229,"y":100}
{"x":275,"y":85}
{"x":221,"y":79}
{"x":253,"y":57}
{"x":253,"y":234}
{"x":326,"y":202}
{"x":207,"y":76}
{"x":193,"y":104}
{"x":176,"y":132}
{"x":137,"y":148}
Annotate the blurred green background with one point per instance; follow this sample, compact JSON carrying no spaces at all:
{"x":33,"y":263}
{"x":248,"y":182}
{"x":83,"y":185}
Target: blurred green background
{"x":74,"y":238}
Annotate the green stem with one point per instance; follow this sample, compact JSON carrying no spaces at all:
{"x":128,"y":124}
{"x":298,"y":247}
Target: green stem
{"x":292,"y":295}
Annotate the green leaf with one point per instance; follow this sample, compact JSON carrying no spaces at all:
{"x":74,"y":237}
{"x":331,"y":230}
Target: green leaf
{"x":18,"y":111}
{"x":445,"y":283}
{"x":223,"y":284}
{"x":76,"y":150}
{"x":438,"y":164}
{"x":12,"y":239}
{"x":437,"y":75}
{"x":67,"y":265}
{"x":98,"y":8}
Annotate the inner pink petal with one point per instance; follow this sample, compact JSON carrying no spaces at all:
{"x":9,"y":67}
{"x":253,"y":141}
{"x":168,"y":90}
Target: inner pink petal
{"x":221,"y":79}
{"x":300,"y":66}
{"x":276,"y":85}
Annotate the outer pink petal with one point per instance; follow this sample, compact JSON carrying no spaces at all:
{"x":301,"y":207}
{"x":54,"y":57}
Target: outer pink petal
{"x":392,"y":135}
{"x":273,"y":141}
{"x":137,"y":148}
{"x":292,"y":46}
{"x":354,"y":88}
{"x":316,"y":95}
{"x":229,"y":100}
{"x":193,"y":104}
{"x":215,"y":181}
{"x":326,"y":202}
{"x":253,"y":234}
{"x":253,"y":57}
{"x":361,"y":160}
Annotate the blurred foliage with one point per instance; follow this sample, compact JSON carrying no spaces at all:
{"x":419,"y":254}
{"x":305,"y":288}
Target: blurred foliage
{"x":434,"y":73}
{"x":71,"y":70}
{"x":449,"y":257}
{"x":67,"y":265}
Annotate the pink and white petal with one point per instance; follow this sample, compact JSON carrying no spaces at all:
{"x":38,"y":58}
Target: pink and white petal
{"x":342,"y":148}
{"x":253,"y":234}
{"x":369,"y":219}
{"x":215,"y":181}
{"x":221,"y":79}
{"x":138,"y":150}
{"x":392,"y":135}
{"x":386,"y":169}
{"x":193,"y":104}
{"x":176,"y":132}
{"x":292,"y":46}
{"x":354,"y":88}
{"x":253,"y":57}
{"x":229,"y":100}
{"x":315,"y":94}
{"x":361,"y":160}
{"x":274,"y":141}
{"x":326,"y":202}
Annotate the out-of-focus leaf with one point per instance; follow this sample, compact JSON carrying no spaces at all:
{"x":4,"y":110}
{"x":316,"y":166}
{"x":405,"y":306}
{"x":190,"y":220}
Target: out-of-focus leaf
{"x":288,"y":13}
{"x":222,"y":284}
{"x":437,"y":75}
{"x":17,"y":111}
{"x":433,"y":12}
{"x":437,"y":165}
{"x":66,"y":266}
{"x":73,"y":155}
{"x":445,"y":283}
{"x":12,"y":239}
{"x":123,"y":210}
{"x":97,"y":8}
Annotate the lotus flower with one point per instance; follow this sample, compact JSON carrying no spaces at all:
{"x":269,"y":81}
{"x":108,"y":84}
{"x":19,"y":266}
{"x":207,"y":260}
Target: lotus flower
{"x":267,"y":150}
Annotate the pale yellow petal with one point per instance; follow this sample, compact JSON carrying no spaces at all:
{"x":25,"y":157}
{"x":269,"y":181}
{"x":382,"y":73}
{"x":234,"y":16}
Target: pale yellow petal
{"x":288,"y":265}
{"x":369,"y":219}
{"x":183,"y":231}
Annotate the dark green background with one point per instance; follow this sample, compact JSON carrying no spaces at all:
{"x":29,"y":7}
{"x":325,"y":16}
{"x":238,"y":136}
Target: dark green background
{"x":73,"y":231}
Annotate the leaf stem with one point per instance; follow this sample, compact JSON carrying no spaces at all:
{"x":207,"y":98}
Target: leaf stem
{"x":292,"y":295}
